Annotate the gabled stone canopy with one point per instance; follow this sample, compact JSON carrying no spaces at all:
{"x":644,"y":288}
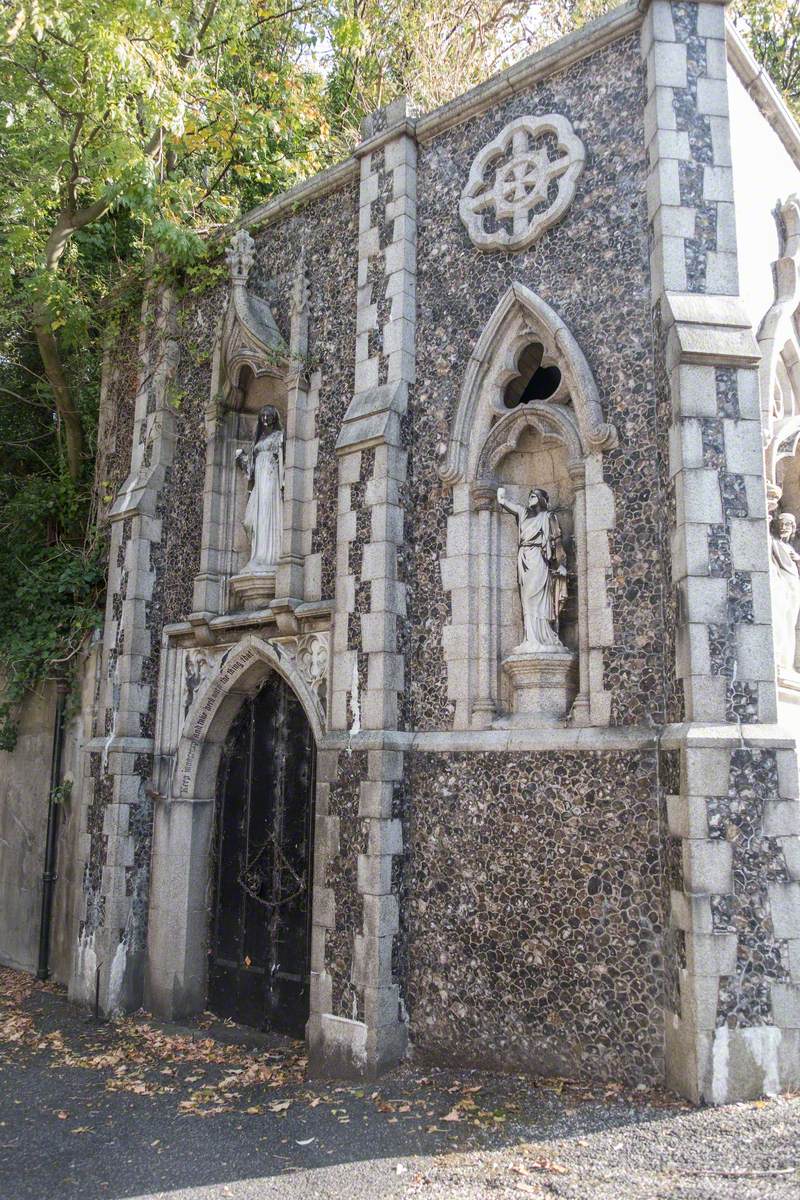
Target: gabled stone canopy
{"x":250,"y":337}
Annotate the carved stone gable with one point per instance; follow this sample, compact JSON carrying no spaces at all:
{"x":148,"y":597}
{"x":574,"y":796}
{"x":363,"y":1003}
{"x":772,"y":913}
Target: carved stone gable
{"x":250,"y":337}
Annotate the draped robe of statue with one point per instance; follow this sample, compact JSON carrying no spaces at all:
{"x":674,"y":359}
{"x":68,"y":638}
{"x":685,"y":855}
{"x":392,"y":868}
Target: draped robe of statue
{"x":786,"y":600}
{"x":540,"y":574}
{"x":263,"y":518}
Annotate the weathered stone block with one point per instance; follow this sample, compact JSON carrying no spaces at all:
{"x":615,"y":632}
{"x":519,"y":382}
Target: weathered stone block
{"x":711,"y":954}
{"x":784,"y":904}
{"x":707,"y":866}
{"x":785,"y":999}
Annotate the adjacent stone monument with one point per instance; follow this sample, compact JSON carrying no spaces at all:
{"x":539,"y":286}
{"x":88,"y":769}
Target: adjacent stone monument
{"x":785,"y":596}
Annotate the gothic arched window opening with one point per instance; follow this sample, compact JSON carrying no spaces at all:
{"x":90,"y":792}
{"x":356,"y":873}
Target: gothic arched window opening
{"x":535,"y":381}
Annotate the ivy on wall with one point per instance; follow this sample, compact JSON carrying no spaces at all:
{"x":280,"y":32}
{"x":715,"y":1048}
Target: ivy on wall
{"x":133,"y":130}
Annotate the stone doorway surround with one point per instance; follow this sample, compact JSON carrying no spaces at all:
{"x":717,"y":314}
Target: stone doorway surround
{"x":202,"y":691}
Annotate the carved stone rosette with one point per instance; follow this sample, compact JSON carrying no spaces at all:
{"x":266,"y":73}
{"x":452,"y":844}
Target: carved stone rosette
{"x":516,"y":188}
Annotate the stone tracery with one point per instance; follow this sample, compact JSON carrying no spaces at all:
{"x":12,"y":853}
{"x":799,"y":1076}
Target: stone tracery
{"x":555,"y":444}
{"x":516,"y":188}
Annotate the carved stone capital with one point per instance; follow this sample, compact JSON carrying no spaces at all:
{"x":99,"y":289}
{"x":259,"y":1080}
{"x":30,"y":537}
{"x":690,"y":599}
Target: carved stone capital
{"x":483,"y":495}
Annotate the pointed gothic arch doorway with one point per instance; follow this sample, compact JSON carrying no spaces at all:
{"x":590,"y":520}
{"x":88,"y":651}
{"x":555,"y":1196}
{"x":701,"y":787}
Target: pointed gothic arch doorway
{"x":260,"y":928}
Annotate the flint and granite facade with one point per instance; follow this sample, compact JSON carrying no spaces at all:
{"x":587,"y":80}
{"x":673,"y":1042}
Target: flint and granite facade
{"x":590,"y":869}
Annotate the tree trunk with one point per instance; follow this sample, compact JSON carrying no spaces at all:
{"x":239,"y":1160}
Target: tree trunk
{"x":68,"y":413}
{"x":67,"y":223}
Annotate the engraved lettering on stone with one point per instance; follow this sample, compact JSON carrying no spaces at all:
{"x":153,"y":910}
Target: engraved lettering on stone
{"x":522,"y":182}
{"x":541,"y":571}
{"x":220,"y":684}
{"x":785,"y":590}
{"x":263,"y":518}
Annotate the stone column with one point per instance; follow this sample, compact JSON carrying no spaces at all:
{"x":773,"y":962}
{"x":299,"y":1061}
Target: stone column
{"x":357,"y":1025}
{"x":116,"y":845}
{"x":729,"y":776}
{"x":177,"y":946}
{"x":580,"y":714}
{"x":484,"y":500}
{"x":299,"y":572}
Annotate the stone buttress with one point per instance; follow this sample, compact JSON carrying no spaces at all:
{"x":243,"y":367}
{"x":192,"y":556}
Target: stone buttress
{"x":728,"y":773}
{"x":357,"y":1024}
{"x":112,"y":921}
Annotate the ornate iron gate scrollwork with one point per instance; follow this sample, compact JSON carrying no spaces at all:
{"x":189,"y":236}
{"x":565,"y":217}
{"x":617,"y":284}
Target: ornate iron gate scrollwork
{"x":258,"y":969}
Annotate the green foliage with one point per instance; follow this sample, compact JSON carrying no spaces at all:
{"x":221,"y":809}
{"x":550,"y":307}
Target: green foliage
{"x":63,"y":793}
{"x":772,"y":27}
{"x":433,"y":50}
{"x":130,"y":130}
{"x":49,"y":602}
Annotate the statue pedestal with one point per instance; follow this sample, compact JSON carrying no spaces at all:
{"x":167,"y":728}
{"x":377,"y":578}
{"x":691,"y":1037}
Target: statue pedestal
{"x":789,"y":699}
{"x":252,"y":589}
{"x":543,"y":686}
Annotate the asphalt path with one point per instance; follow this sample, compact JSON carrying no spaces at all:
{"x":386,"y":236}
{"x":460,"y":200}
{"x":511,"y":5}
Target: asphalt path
{"x":139,"y":1109}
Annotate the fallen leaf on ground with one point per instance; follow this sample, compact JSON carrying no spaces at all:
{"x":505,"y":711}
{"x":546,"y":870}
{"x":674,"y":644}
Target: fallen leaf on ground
{"x":547,"y":1164}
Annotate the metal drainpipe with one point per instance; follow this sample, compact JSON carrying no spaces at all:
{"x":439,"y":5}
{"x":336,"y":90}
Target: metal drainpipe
{"x":49,"y":875}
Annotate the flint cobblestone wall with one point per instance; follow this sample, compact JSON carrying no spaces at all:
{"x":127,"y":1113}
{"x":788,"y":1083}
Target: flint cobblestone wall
{"x":592,"y":268}
{"x":535,"y":912}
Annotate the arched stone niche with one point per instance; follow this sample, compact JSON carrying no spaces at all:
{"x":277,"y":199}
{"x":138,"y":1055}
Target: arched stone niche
{"x":254,"y":366}
{"x":555,"y":441}
{"x":193,"y":726}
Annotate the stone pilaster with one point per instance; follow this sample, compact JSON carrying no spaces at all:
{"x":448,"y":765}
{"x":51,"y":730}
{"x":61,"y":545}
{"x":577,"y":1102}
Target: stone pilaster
{"x":359,"y":1028}
{"x":116,"y":846}
{"x":731,"y":1028}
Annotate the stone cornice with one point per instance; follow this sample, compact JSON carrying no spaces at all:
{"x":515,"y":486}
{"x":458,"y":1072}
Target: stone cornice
{"x":547,"y":61}
{"x":763,"y":93}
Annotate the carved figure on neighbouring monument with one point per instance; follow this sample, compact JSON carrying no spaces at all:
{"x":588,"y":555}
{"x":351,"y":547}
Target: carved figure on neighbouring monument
{"x":196,"y":670}
{"x":785,"y":590}
{"x":541,"y":570}
{"x":263,"y":518}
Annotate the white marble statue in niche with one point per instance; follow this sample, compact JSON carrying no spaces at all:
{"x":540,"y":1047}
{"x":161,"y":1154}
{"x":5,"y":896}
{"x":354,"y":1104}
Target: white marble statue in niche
{"x":785,"y":590}
{"x":263,"y":518}
{"x":541,"y":571}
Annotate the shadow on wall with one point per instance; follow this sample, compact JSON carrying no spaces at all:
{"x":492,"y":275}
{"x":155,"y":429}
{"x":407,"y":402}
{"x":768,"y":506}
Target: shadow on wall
{"x":24,"y":787}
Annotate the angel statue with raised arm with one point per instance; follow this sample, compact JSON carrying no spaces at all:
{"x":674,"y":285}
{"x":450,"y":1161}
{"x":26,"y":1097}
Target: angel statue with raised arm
{"x":541,"y":571}
{"x":263,"y":518}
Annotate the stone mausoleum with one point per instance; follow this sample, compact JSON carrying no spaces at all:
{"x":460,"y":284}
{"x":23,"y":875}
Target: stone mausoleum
{"x":447,"y":699}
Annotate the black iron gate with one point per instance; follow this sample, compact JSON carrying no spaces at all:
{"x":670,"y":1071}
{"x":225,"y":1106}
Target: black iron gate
{"x":258,"y":969}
